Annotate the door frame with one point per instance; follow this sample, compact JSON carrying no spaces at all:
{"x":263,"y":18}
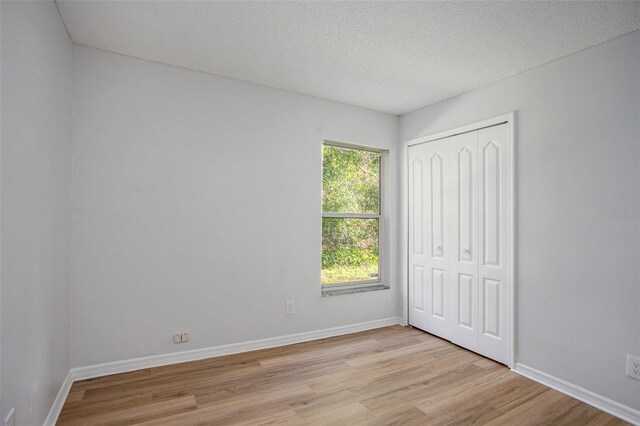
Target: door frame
{"x":509,"y":118}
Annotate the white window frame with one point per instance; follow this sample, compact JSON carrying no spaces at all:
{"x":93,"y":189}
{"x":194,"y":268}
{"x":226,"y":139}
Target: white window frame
{"x":380,"y":217}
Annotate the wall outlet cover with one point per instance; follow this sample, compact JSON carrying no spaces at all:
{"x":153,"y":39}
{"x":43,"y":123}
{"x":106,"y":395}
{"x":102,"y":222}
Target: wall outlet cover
{"x":290,"y":307}
{"x":633,"y":367}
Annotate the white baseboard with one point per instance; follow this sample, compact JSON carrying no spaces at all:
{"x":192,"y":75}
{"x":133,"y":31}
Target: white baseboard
{"x":91,"y":371}
{"x":56,"y":408}
{"x":605,"y":404}
{"x":82,"y":373}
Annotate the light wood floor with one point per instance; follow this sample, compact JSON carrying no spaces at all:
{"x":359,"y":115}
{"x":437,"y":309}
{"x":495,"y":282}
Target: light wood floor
{"x":392,"y":375}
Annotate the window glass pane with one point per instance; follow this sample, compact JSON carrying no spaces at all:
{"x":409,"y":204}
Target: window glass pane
{"x":349,"y":250}
{"x":350,"y":181}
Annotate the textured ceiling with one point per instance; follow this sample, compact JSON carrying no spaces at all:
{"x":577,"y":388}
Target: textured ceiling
{"x":387,"y":56}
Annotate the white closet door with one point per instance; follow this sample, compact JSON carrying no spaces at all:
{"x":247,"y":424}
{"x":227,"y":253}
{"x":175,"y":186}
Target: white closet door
{"x":439,"y":242}
{"x":418,"y":297}
{"x":459,"y":239}
{"x":464,"y":264}
{"x":493,"y":236}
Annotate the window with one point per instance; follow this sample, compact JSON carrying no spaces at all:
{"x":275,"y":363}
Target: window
{"x":351,"y":216}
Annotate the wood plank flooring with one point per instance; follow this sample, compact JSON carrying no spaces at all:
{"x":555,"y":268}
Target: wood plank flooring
{"x":391,"y":375}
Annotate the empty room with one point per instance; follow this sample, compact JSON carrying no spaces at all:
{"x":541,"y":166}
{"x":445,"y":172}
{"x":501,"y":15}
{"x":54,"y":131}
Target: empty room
{"x":319,"y":212}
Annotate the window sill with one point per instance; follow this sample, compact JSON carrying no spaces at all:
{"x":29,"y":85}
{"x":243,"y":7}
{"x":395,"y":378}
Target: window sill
{"x":351,"y":290}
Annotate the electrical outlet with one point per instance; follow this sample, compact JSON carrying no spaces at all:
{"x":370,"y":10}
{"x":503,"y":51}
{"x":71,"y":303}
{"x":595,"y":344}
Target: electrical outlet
{"x":10,"y":418}
{"x":180,"y":337}
{"x":633,"y":367}
{"x":290,"y":307}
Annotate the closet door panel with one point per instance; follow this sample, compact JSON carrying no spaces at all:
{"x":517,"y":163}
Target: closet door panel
{"x":437,"y":187}
{"x":418,"y":296}
{"x":491,"y":292}
{"x":493,"y":270}
{"x":438,"y":219}
{"x":491,"y":203}
{"x":463,"y":231}
{"x":465,"y":307}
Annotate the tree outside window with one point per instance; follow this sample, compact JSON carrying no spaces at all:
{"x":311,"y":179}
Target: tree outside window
{"x":351,"y":214}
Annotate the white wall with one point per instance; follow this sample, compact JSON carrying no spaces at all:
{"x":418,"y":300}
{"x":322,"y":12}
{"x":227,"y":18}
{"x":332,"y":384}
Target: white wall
{"x":577,"y":155}
{"x":196,"y":207}
{"x":36,"y":71}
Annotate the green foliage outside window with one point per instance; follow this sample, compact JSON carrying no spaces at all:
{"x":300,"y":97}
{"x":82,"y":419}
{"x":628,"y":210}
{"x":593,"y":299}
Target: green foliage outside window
{"x":350,"y":246}
{"x":350,"y":181}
